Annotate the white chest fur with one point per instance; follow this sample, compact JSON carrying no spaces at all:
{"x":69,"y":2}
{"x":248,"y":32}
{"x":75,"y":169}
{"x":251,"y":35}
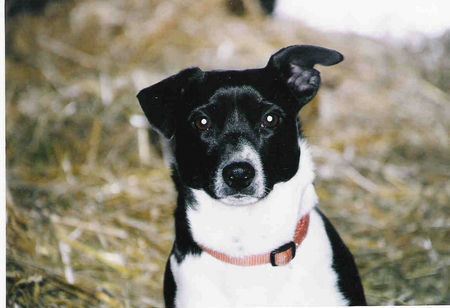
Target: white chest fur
{"x":254,"y":229}
{"x":203,"y":281}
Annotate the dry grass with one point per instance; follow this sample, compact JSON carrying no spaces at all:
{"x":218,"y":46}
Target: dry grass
{"x":89,"y":224}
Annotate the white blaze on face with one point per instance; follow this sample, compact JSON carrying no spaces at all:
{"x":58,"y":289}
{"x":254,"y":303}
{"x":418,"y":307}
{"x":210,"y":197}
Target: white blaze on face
{"x":244,"y":153}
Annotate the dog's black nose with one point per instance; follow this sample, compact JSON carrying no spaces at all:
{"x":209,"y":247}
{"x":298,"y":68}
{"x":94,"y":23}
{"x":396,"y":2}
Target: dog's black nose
{"x":238,"y":175}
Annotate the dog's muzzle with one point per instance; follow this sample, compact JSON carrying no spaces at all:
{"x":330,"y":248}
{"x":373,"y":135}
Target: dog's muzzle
{"x":239,"y":179}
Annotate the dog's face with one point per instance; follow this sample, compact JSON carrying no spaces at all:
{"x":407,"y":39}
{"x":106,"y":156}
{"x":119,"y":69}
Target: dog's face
{"x":236,"y":143}
{"x":235,"y":133}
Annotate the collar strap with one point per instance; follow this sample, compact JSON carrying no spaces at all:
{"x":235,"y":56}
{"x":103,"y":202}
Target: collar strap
{"x":280,"y":256}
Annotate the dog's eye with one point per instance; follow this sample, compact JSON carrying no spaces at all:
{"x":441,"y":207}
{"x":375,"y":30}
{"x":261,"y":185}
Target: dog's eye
{"x":202,"y":123}
{"x":270,"y":120}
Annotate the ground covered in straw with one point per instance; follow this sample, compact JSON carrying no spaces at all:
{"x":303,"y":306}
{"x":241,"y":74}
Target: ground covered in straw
{"x":90,"y":217}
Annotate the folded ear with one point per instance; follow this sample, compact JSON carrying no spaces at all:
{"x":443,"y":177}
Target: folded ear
{"x":295,"y":65}
{"x":160,"y":100}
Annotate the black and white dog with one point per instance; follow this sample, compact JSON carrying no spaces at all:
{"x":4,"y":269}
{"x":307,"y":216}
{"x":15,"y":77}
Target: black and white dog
{"x":246,"y":200}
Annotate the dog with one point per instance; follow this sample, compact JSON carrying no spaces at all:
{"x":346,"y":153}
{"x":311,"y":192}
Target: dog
{"x":247,"y":227}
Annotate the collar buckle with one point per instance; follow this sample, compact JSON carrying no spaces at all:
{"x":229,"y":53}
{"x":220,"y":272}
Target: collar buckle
{"x":283,"y":254}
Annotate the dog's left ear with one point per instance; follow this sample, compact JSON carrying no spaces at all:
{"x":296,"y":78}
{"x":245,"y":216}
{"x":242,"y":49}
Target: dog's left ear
{"x":295,"y":65}
{"x":160,"y":101}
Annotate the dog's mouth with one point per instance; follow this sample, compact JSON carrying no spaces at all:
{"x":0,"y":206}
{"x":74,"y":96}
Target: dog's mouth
{"x":239,"y":199}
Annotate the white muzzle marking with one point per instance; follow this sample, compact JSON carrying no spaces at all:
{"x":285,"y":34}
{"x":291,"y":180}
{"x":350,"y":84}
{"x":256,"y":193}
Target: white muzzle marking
{"x":245,"y":153}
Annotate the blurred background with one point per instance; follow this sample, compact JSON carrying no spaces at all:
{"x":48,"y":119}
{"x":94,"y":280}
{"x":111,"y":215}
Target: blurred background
{"x":90,"y":201}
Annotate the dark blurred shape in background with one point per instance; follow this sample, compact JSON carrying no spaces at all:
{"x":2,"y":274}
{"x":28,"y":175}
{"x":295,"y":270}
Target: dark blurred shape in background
{"x":268,"y":6}
{"x":237,"y":7}
{"x":90,"y":202}
{"x":14,"y":7}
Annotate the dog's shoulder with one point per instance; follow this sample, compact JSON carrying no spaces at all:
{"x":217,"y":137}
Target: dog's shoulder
{"x":344,"y":265}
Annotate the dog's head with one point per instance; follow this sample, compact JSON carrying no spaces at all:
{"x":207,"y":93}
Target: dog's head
{"x":235,"y":133}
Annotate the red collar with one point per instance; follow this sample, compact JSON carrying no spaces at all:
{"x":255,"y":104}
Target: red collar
{"x":280,"y":256}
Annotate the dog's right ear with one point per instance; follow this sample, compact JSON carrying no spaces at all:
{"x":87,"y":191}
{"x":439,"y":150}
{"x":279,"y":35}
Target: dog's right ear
{"x":159,"y":101}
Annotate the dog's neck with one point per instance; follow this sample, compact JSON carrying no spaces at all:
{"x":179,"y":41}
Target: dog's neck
{"x":259,"y":227}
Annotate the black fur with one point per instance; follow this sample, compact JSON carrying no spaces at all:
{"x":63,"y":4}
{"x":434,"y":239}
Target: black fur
{"x":169,"y":286}
{"x":344,"y":264}
{"x":184,"y":243}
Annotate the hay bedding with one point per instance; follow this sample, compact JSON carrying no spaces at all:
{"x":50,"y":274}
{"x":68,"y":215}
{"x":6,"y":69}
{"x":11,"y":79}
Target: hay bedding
{"x":90,"y":221}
